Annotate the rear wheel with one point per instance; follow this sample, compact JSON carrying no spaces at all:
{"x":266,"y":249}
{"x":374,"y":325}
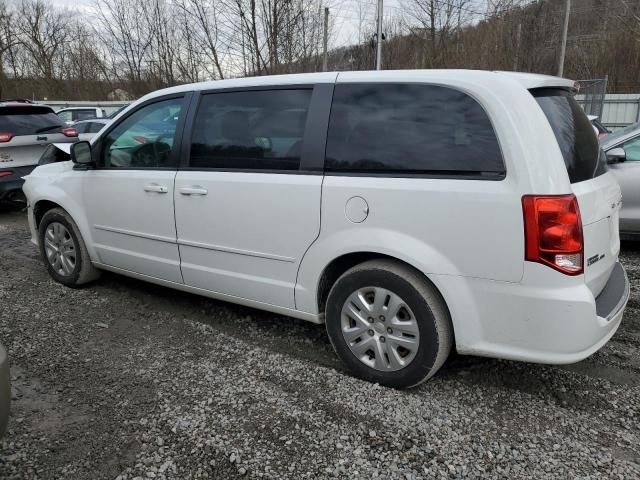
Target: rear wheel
{"x":388,"y":323}
{"x":63,"y":250}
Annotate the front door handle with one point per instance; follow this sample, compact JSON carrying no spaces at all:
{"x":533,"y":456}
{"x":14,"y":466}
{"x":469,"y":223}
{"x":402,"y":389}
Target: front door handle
{"x":194,"y":190}
{"x":154,"y":187}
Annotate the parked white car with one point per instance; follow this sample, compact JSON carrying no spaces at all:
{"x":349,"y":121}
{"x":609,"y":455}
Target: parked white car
{"x":71,"y":115}
{"x":338,"y":198}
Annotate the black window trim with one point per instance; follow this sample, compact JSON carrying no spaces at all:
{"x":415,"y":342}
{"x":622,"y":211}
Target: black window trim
{"x":440,"y":174}
{"x":315,"y":131}
{"x":96,"y":148}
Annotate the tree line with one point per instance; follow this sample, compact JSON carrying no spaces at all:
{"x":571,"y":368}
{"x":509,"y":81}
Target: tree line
{"x":122,"y":49}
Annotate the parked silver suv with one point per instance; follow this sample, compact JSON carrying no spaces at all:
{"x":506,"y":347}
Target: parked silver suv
{"x":25,"y":131}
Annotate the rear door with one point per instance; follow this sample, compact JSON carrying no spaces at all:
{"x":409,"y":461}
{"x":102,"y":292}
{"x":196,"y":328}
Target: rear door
{"x":597,"y":191}
{"x":248,"y":198}
{"x":25,"y":132}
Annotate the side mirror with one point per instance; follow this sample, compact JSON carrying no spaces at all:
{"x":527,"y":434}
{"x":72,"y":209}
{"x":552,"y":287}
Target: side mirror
{"x":616,"y":155}
{"x":81,"y":153}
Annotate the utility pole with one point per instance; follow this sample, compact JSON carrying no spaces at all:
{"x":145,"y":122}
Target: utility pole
{"x":326,"y":34}
{"x":518,"y":40}
{"x":563,"y":47}
{"x":379,"y":38}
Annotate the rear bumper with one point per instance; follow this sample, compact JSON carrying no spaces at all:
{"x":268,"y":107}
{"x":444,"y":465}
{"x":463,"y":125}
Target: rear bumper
{"x":5,"y":390}
{"x":613,"y":299}
{"x":12,"y":183}
{"x":536,"y":320}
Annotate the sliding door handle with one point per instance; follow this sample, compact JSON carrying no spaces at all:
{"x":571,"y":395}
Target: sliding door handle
{"x":194,"y":190}
{"x":154,"y":187}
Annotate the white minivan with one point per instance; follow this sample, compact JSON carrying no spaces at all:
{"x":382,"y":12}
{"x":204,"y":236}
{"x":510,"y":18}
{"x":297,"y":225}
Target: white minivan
{"x":410,"y":211}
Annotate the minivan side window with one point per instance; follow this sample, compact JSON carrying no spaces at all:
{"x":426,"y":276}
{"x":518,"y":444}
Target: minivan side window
{"x":250,"y":130}
{"x":410,"y":129}
{"x":145,"y":138}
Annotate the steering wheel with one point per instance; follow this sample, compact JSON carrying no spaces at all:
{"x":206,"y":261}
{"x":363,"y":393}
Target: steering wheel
{"x":152,"y":154}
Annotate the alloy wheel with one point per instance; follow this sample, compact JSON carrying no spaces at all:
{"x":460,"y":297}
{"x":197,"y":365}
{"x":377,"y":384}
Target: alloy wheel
{"x":60,"y":249}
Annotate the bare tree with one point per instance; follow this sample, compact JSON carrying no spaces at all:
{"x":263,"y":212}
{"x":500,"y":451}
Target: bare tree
{"x":122,"y":28}
{"x":200,"y":17}
{"x":44,"y":32}
{"x":8,"y":42}
{"x":438,"y":20}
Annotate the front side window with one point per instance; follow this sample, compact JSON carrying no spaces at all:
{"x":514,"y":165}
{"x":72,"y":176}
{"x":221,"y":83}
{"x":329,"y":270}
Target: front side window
{"x":632,"y":149}
{"x":83,"y":114}
{"x":410,"y":129}
{"x":145,"y":138}
{"x":252,"y":130}
{"x":81,"y":127}
{"x":94,"y":127}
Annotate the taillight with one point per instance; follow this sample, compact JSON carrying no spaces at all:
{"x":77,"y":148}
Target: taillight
{"x":553,"y":232}
{"x":5,"y":173}
{"x":69,"y":132}
{"x":5,"y":137}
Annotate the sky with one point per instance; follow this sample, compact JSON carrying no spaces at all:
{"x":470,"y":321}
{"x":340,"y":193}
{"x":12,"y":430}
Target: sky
{"x":344,"y":16}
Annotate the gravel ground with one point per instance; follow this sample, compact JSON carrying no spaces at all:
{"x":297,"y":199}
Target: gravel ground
{"x":125,"y":380}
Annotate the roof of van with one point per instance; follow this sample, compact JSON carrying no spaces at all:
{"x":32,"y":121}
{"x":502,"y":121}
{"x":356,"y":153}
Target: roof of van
{"x":537,"y":80}
{"x":527,"y":80}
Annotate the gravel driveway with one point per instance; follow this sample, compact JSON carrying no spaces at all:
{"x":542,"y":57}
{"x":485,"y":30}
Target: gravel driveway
{"x":124,"y":379}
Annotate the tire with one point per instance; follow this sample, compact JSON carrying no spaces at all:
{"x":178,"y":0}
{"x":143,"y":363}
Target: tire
{"x":402,"y":350}
{"x":77,"y":269}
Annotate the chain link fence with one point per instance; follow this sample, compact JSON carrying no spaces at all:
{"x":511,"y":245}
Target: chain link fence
{"x":591,"y":95}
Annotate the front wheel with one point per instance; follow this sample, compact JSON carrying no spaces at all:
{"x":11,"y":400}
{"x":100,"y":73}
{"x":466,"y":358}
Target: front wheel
{"x":388,"y":323}
{"x":63,"y":250}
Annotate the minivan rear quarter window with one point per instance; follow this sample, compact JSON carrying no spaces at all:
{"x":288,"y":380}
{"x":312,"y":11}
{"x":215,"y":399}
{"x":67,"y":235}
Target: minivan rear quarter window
{"x":573,"y":131}
{"x":29,"y":120}
{"x":410,"y":129}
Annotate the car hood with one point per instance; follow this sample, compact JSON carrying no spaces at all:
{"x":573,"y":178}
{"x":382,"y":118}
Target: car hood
{"x":51,"y":169}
